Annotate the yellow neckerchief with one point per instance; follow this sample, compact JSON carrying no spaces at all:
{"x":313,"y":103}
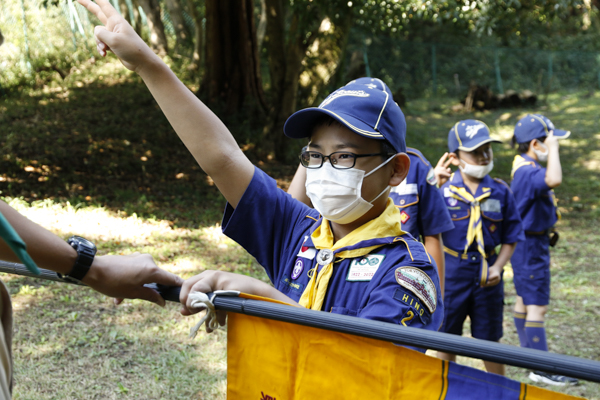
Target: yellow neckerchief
{"x":521,"y":161}
{"x":475,"y":230}
{"x":386,"y":225}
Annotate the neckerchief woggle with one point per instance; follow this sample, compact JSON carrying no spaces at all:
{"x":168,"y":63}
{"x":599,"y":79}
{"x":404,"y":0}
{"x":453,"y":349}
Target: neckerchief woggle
{"x":521,"y":161}
{"x":387,"y":225}
{"x":475,"y":230}
{"x":18,"y":246}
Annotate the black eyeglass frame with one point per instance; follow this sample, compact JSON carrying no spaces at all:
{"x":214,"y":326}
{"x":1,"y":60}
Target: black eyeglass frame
{"x":323,"y":157}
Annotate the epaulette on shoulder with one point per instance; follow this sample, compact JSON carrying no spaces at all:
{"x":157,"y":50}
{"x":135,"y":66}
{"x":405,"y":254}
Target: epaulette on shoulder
{"x":416,"y":249}
{"x":502,"y":182}
{"x":417,"y":153}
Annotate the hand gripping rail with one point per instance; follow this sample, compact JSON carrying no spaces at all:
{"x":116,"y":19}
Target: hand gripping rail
{"x":463,"y":346}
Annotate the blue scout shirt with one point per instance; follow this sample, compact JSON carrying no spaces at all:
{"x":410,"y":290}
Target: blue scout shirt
{"x":501,"y":221}
{"x":396,"y":283}
{"x":422,"y":208}
{"x":535,"y":200}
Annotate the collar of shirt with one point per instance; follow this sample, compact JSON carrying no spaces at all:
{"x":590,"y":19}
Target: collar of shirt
{"x":457,"y":180}
{"x":377,"y":232}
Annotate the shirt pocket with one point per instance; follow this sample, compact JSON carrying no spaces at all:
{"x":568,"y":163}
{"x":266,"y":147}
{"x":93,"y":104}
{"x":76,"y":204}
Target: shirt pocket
{"x":459,"y":213}
{"x":407,"y":200}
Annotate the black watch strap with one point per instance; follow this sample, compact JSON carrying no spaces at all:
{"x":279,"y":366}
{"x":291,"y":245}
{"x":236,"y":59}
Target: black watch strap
{"x":86,"y":251}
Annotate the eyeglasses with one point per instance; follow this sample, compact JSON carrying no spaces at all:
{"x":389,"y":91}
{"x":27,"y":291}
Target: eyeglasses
{"x":339,"y":159}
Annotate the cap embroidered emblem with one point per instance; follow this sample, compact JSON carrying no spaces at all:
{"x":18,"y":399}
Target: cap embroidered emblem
{"x":404,"y":217}
{"x":419,"y":283}
{"x":341,"y":93}
{"x":472,"y":130}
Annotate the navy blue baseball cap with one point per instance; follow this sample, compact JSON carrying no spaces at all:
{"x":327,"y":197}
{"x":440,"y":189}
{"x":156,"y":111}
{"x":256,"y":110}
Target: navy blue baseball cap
{"x":536,"y":126}
{"x":366,"y":108}
{"x":469,"y":134}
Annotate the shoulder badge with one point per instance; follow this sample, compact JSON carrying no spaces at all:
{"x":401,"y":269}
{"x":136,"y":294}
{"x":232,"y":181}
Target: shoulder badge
{"x":418,"y":282}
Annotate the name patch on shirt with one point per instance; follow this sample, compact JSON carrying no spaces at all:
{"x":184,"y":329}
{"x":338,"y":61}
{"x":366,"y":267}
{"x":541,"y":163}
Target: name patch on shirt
{"x":419,"y":283}
{"x":363,"y":269}
{"x":406,"y":188}
{"x":491,"y":205}
{"x":297,"y":287}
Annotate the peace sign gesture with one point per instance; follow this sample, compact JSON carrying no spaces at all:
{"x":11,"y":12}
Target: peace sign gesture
{"x":442,"y":170}
{"x":118,"y":36}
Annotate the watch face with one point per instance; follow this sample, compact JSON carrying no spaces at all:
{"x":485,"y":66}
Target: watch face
{"x":83,"y":241}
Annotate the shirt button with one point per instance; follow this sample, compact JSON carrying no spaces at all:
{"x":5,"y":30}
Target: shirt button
{"x":530,"y":276}
{"x":473,"y":258}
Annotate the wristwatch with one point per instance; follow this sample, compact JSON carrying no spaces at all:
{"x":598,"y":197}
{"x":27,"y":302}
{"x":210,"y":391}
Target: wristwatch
{"x":86,"y":251}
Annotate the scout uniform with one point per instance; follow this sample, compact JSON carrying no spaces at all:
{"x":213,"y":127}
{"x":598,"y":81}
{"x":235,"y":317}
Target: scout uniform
{"x":537,"y":206}
{"x":389,"y":278}
{"x":376,"y":271}
{"x":482,"y":221}
{"x":466,"y":270}
{"x":422,"y":208}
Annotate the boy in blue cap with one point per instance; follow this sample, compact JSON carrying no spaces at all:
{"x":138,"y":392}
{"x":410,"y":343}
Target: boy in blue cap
{"x":349,"y":257}
{"x":422,"y":209}
{"x":533,"y":188}
{"x":484,"y":213}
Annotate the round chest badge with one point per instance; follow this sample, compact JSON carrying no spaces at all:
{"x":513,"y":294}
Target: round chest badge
{"x":452,"y":201}
{"x":298,"y":268}
{"x":325,"y":257}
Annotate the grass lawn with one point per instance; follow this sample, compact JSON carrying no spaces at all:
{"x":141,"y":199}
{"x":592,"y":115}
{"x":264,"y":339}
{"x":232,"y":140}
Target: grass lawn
{"x":95,"y":157}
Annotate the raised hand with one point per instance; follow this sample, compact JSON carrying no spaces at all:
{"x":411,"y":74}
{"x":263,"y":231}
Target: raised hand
{"x":118,"y":36}
{"x":442,"y":170}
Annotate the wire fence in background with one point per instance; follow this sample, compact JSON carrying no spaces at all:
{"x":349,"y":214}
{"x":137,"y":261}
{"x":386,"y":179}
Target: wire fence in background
{"x":429,"y":69}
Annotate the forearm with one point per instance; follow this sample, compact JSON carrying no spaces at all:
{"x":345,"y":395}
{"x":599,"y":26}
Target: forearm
{"x":202,"y":132}
{"x":45,"y":248}
{"x":434,"y":246}
{"x":506,"y":252}
{"x":246,"y":284}
{"x":553,"y":168}
{"x":297,"y":188}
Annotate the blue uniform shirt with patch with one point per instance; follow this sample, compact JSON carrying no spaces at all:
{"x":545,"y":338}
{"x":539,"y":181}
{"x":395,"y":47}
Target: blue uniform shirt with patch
{"x":276,"y":229}
{"x":535,"y":200}
{"x":422,"y":208}
{"x":501,"y":220}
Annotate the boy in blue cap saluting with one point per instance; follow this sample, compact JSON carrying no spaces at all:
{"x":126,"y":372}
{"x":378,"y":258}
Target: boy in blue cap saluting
{"x":532,"y":185}
{"x":349,"y":256}
{"x":484,"y":213}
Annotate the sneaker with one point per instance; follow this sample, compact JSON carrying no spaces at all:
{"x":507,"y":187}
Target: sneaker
{"x":557,"y":380}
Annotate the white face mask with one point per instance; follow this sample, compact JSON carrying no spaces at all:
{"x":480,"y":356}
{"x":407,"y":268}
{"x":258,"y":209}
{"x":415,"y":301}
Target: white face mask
{"x":336,"y":193}
{"x":541,"y":156}
{"x":477,"y":171}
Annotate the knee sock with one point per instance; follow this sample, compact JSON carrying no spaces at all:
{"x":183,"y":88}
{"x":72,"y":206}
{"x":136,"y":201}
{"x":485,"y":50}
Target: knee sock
{"x":536,"y":335}
{"x":519,"y":319}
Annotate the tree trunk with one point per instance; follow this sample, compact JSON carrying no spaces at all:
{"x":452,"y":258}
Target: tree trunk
{"x":158,"y":39}
{"x":232,"y":63}
{"x":182,"y":32}
{"x":285,"y":65}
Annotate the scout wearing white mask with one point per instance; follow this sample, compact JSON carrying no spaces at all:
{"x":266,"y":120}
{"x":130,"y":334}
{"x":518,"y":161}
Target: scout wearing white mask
{"x":336,"y":193}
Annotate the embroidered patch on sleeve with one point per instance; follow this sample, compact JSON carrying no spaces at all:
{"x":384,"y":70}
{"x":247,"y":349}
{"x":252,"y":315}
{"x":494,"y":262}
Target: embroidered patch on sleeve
{"x":419,"y":283}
